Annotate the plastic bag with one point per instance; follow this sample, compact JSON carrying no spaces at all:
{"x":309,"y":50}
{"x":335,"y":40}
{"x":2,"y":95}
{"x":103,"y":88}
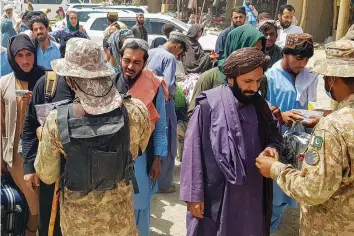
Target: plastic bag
{"x":295,"y":142}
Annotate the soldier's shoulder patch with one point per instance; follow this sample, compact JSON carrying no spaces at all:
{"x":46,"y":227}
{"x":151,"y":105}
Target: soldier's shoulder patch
{"x":317,"y":141}
{"x":312,"y":157}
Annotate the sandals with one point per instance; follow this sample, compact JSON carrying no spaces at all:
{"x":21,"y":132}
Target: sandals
{"x":171,"y":189}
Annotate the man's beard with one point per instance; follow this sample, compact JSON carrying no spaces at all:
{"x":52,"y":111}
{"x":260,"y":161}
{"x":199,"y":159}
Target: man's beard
{"x":141,"y":22}
{"x":289,"y":70}
{"x":284,"y":24}
{"x":240,"y":95}
{"x":131,"y":81}
{"x":41,"y":38}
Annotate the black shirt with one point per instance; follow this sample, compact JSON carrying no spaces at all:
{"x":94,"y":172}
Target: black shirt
{"x":29,"y":136}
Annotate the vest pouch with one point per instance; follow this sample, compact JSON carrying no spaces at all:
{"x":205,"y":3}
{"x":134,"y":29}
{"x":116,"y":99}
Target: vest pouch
{"x":107,"y":169}
{"x":97,"y":149}
{"x":77,"y":177}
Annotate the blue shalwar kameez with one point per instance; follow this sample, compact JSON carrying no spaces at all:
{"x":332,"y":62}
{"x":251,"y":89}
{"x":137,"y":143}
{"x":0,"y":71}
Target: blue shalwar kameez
{"x":5,"y":66}
{"x":142,"y":199}
{"x":164,"y":64}
{"x":283,"y":94}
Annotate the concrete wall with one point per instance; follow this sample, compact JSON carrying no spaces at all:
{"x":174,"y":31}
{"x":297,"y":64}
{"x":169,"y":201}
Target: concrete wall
{"x":297,"y":4}
{"x":319,"y":17}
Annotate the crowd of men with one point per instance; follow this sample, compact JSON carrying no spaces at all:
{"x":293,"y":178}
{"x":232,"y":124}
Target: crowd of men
{"x":94,"y":134}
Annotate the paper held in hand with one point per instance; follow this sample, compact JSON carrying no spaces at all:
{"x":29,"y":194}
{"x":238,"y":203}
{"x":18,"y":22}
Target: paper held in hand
{"x":307,"y":114}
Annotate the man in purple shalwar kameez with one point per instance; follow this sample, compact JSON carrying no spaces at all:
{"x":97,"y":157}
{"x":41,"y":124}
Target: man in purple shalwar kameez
{"x":230,"y":127}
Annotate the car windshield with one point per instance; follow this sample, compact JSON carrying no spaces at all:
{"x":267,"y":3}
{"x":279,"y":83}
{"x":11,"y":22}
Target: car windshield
{"x":84,"y":15}
{"x":181,"y":23}
{"x":136,"y":10}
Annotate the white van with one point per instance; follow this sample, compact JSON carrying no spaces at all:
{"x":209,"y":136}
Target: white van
{"x":97,"y":23}
{"x":53,"y":5}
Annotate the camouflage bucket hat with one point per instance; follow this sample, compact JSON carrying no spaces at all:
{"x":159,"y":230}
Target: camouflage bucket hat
{"x":82,"y":60}
{"x":339,"y":60}
{"x":97,"y":96}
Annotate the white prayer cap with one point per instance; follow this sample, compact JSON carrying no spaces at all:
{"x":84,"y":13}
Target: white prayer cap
{"x":7,"y":7}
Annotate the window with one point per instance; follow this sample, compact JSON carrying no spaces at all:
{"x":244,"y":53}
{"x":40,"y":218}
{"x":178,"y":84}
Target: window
{"x":156,"y":26}
{"x":84,"y":15}
{"x":80,"y":2}
{"x":136,"y":10}
{"x":99,"y":24}
{"x":178,"y":22}
{"x":47,"y":2}
{"x":129,"y":22}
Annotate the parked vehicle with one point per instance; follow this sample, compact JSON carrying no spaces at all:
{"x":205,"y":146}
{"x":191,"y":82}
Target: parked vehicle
{"x":83,"y":15}
{"x":83,"y":5}
{"x":97,"y":23}
{"x":136,"y":9}
{"x":53,"y":5}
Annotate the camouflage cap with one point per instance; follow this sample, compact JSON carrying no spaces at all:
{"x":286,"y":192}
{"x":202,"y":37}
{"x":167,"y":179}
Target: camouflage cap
{"x":339,"y":60}
{"x":82,"y":60}
{"x":8,"y":7}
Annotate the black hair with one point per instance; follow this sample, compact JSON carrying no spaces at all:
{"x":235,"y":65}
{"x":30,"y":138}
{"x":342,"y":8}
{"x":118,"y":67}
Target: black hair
{"x":167,"y":29}
{"x":24,"y":15}
{"x":305,"y":50}
{"x":176,"y":41}
{"x":241,"y":10}
{"x":133,"y":45}
{"x":76,"y":34}
{"x":285,"y":7}
{"x":105,"y":41}
{"x":39,"y":19}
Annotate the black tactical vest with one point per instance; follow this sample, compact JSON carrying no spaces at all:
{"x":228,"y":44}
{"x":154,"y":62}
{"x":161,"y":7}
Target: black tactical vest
{"x":97,"y":149}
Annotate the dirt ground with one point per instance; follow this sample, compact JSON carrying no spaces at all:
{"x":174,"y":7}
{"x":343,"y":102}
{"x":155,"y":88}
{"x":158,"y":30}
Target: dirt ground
{"x":168,"y":213}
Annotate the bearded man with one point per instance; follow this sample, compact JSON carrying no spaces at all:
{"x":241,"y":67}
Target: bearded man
{"x":238,"y":18}
{"x":291,"y":85}
{"x":47,"y":50}
{"x":269,"y":29}
{"x":139,"y":30}
{"x":144,"y":85}
{"x":229,"y":127}
{"x":21,"y":55}
{"x":285,"y":17}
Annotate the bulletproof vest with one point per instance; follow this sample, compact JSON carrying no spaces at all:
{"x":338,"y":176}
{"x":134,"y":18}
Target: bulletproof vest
{"x":97,"y":150}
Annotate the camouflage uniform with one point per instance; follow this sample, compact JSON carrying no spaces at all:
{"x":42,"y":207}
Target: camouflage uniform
{"x":101,"y":213}
{"x":325,"y":185}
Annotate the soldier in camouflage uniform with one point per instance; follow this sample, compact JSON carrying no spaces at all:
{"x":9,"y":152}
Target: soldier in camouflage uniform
{"x":325,"y":185}
{"x":105,"y":212}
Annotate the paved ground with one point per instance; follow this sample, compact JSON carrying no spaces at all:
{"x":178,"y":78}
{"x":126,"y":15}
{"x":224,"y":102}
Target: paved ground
{"x":168,"y":213}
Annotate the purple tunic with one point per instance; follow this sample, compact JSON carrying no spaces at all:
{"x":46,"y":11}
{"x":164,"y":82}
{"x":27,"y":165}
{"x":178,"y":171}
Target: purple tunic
{"x":229,"y":209}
